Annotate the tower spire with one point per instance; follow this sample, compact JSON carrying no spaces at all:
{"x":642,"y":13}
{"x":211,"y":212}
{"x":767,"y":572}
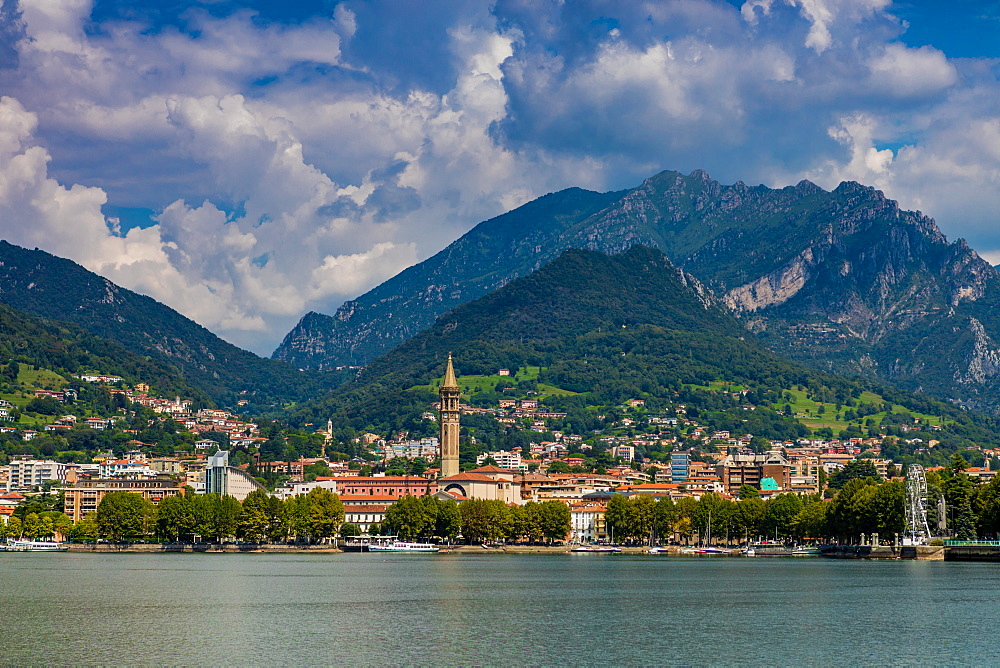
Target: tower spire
{"x":449,"y":375}
{"x":450,"y":411}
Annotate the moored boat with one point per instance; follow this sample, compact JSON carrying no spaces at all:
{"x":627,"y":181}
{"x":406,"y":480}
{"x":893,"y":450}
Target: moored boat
{"x":402,"y":546}
{"x":21,"y":545}
{"x":596,"y":549}
{"x":807,"y":551}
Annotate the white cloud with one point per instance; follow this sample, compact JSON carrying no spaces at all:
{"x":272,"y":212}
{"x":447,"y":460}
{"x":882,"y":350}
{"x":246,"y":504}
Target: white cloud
{"x":286,"y":176}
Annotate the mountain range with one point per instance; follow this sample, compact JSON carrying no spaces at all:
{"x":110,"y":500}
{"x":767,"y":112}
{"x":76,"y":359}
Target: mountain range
{"x":844,"y":280}
{"x":588,"y":332}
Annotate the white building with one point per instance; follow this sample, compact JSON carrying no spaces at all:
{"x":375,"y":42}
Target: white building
{"x":296,"y":488}
{"x":587,"y":522}
{"x":504,"y":459}
{"x":33,"y":473}
{"x":221,"y":478}
{"x":124,"y":467}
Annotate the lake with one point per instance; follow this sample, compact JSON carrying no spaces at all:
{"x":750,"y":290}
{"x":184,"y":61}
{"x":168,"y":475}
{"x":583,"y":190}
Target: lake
{"x":553,"y":609}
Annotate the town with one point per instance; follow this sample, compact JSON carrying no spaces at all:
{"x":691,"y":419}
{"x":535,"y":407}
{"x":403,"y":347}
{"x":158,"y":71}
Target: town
{"x":656,"y":475}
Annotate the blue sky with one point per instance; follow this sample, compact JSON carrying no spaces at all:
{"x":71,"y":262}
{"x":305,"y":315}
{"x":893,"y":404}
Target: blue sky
{"x":247,"y":162}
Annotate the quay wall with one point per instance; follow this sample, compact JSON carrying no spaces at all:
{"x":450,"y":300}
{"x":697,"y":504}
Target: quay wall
{"x":915,"y":552}
{"x":147,"y":548}
{"x":972,"y":553}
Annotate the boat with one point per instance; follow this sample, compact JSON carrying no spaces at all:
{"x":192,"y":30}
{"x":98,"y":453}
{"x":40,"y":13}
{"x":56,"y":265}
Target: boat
{"x":658,"y":550}
{"x":769,"y":548}
{"x":22,"y":545}
{"x":597,"y":549}
{"x":748,"y":551}
{"x":402,"y":546}
{"x":807,"y":551}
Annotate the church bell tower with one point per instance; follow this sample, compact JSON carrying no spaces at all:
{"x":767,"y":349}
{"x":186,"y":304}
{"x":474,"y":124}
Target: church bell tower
{"x":448,"y":418}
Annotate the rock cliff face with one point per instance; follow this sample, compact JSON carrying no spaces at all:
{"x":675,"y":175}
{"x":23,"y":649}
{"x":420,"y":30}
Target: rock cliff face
{"x":844,"y":280}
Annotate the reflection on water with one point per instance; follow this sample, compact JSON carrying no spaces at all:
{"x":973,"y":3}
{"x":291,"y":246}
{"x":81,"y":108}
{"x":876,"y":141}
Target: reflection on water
{"x":198,"y":609}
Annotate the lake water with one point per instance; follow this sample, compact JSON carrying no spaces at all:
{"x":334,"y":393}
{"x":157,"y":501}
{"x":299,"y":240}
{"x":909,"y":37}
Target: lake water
{"x":257,"y":609}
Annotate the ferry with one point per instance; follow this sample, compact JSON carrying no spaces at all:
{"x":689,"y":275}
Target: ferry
{"x":13,"y":545}
{"x":402,"y":546}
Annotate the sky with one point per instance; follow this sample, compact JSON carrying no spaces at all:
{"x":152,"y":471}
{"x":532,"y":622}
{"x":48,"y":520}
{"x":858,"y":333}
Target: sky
{"x":246,"y":162}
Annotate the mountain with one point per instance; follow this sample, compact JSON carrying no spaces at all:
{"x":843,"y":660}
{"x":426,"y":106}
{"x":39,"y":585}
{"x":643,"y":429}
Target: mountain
{"x":844,"y":280}
{"x":39,"y":283}
{"x":588,"y":332}
{"x":488,"y":257}
{"x":69,"y":349}
{"x":553,"y":317}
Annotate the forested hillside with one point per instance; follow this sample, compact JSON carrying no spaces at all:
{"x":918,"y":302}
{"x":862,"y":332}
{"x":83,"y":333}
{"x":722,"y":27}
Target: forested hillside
{"x":39,"y":283}
{"x":599,"y":330}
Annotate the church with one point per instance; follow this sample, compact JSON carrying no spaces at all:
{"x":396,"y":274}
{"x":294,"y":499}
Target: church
{"x":486,"y":482}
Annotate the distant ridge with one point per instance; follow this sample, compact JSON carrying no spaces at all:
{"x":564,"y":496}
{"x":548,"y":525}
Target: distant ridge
{"x":40,"y":283}
{"x":844,"y":280}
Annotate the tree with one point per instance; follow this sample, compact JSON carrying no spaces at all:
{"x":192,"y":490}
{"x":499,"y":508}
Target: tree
{"x":32,"y":526}
{"x":14,"y":527}
{"x":449,"y":520}
{"x":958,"y":464}
{"x":254,"y":524}
{"x":643,"y":510}
{"x":86,"y":528}
{"x":958,"y":492}
{"x":558,"y":467}
{"x":326,"y":513}
{"x":810,"y":522}
{"x":484,"y":520}
{"x":750,"y":517}
{"x":277,"y":519}
{"x":555,"y":519}
{"x":779,"y":514}
{"x":618,"y":517}
{"x":408,"y":518}
{"x":175,"y":517}
{"x":748,"y":492}
{"x":859,"y":468}
{"x":664,"y":517}
{"x":121,"y":515}
{"x":296,"y":512}
{"x":227,"y":517}
{"x":348,"y":529}
{"x":529,"y":521}
{"x":204,"y":509}
{"x":848,"y":513}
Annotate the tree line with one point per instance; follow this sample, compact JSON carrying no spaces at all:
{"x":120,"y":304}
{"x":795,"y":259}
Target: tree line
{"x":475,"y":520}
{"x":125,"y":516}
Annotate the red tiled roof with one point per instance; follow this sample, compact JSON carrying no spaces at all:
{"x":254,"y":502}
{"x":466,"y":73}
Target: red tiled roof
{"x":468,"y":476}
{"x":491,"y":469}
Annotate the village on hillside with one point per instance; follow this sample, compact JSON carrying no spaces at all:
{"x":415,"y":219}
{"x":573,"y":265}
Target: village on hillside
{"x":639,"y":453}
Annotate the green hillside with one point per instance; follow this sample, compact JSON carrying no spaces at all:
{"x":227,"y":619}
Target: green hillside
{"x":42,"y":284}
{"x":49,"y":352}
{"x":588,"y":332}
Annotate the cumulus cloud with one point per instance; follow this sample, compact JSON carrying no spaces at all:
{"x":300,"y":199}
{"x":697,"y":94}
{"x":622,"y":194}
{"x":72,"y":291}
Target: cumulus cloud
{"x":293,"y":164}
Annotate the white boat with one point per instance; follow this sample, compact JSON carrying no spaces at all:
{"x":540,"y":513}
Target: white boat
{"x":402,"y":546}
{"x":658,"y":550}
{"x":810,"y":551}
{"x":597,"y":549}
{"x":749,"y":551}
{"x":33,"y":546}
